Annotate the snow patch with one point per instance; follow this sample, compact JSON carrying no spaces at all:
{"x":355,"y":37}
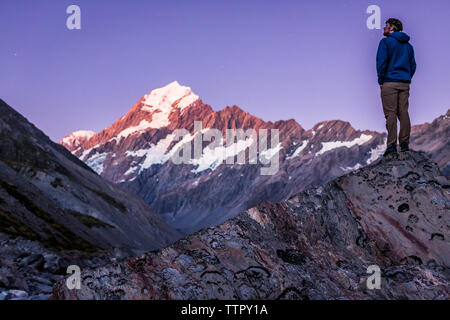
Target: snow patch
{"x":355,"y":167}
{"x":142,"y":126}
{"x":86,"y":153}
{"x":298,"y":150}
{"x":327,"y":146}
{"x":213,"y":158}
{"x":270,"y":153}
{"x":160,"y":118}
{"x":131,"y":170}
{"x":96,"y":162}
{"x":187,"y":101}
{"x":377,"y":152}
{"x":156,"y":154}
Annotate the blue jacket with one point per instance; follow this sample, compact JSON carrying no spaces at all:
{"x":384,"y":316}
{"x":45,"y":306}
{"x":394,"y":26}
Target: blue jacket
{"x":395,"y":59}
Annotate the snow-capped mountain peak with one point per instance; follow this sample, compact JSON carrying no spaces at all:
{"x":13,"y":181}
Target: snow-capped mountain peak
{"x":76,"y":139}
{"x":161,"y":102}
{"x":172,"y":95}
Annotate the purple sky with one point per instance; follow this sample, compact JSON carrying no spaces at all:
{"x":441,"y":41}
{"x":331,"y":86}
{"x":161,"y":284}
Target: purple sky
{"x":307,"y":60}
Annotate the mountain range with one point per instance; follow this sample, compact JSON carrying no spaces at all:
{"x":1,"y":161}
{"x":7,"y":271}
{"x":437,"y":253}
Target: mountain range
{"x":137,"y":149}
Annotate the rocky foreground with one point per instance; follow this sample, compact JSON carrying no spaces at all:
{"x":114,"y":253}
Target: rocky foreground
{"x":315,"y":245}
{"x":28,"y":270}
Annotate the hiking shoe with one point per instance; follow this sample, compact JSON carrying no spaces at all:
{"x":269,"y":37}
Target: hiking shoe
{"x":391,"y":150}
{"x":404,"y":147}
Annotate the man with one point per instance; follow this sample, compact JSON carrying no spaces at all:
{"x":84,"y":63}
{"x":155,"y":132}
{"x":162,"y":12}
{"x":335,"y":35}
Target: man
{"x":395,"y":67}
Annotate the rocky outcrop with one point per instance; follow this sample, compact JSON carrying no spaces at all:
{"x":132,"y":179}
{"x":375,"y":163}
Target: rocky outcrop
{"x":317,"y":244}
{"x":28,"y":270}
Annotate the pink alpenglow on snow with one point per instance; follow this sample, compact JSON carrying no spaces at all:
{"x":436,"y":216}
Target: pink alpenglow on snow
{"x":73,"y":141}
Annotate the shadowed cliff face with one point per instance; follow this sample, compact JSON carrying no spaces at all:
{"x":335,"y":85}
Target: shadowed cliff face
{"x":48,"y":195}
{"x":315,"y":245}
{"x":55,"y":212}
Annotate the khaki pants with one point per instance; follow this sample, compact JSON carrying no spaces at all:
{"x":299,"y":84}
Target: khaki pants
{"x":394,"y":96}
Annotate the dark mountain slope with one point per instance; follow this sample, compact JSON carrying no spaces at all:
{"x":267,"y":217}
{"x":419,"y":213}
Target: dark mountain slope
{"x":55,"y":211}
{"x":57,"y":199}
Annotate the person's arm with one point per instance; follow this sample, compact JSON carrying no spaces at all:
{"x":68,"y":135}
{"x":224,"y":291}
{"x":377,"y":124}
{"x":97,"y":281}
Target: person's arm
{"x":382,"y":60}
{"x":412,"y":61}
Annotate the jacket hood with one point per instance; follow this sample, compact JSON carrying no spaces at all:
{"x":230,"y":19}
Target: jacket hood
{"x":399,"y":36}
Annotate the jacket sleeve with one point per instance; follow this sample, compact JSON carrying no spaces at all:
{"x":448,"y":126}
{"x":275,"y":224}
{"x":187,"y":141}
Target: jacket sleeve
{"x":382,"y":60}
{"x":412,"y":61}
